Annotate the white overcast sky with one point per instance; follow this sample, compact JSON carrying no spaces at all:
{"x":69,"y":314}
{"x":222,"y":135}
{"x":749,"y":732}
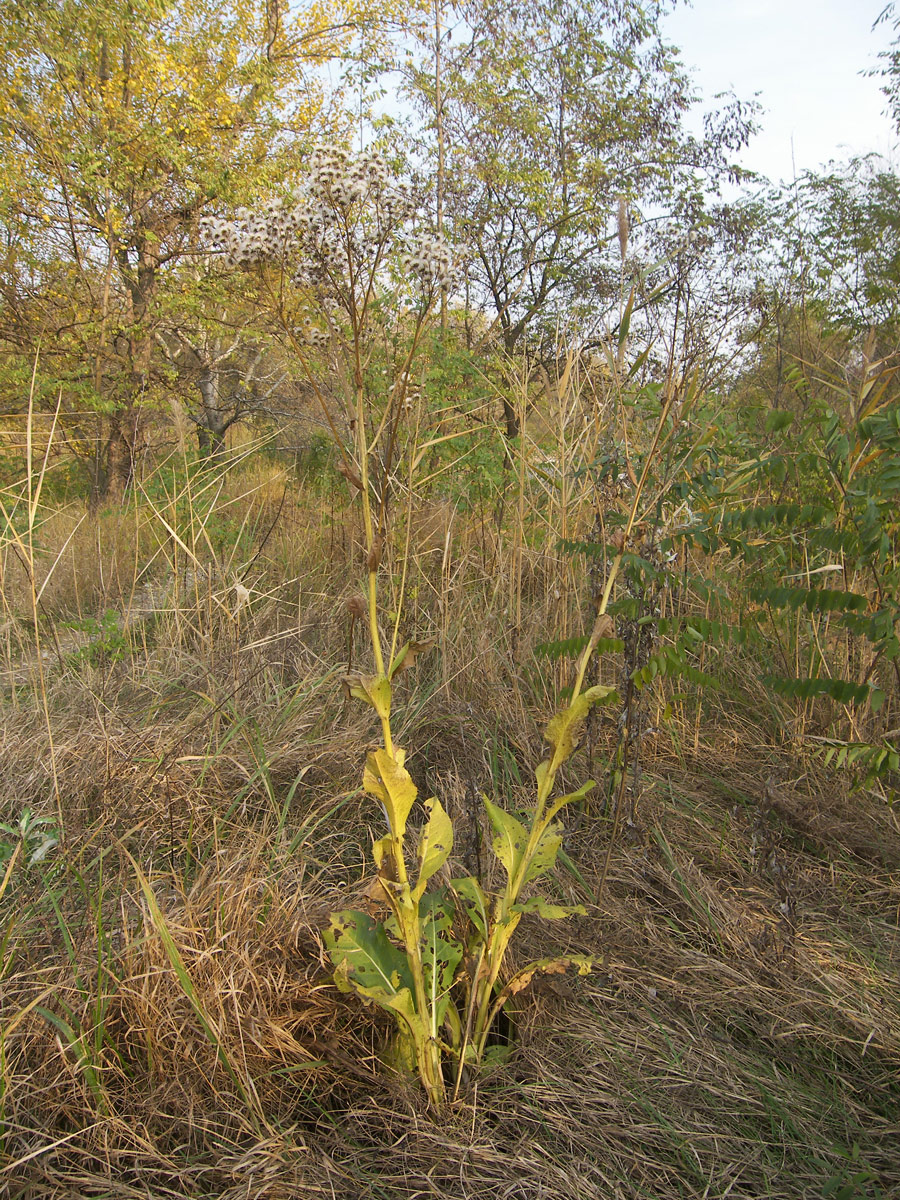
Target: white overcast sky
{"x":804,"y":58}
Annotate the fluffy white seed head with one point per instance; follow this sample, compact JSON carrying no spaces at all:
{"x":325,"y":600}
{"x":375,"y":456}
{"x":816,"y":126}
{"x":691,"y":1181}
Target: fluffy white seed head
{"x":347,"y":211}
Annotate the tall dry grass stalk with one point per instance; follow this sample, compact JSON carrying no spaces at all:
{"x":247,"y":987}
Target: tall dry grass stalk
{"x":19,"y":545}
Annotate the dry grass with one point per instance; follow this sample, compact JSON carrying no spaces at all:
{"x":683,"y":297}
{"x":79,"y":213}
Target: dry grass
{"x":185,"y":1039}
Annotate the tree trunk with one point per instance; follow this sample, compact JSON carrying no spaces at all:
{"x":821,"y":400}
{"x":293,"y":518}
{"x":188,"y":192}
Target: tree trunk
{"x":119,"y":461}
{"x":141,"y":284}
{"x":511,"y":418}
{"x":213,"y":423}
{"x":211,"y":440}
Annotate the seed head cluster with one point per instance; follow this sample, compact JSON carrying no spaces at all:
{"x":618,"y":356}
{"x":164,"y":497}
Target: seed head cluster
{"x":339,"y":225}
{"x":430,"y":259}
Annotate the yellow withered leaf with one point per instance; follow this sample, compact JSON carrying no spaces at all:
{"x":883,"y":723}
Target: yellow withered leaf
{"x":387,"y":779}
{"x":562,"y":732}
{"x":372,"y":689}
{"x":435,"y":844}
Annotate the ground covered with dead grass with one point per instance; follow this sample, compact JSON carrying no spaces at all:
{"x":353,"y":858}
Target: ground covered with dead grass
{"x":170,"y":1027}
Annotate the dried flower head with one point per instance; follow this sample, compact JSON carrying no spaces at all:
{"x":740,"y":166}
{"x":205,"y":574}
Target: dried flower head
{"x":347,"y":205}
{"x":356,"y":607}
{"x":430,"y":259}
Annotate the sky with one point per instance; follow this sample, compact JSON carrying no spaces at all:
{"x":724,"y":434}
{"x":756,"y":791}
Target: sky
{"x":804,"y":58}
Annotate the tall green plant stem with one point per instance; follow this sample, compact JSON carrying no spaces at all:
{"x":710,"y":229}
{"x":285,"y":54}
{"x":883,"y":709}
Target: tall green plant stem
{"x":399,"y":892}
{"x":505,"y":919}
{"x":404,"y":905}
{"x":365,"y":459}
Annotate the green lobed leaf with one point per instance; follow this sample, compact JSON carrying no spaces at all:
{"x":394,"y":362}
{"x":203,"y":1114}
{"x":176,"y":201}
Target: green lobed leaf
{"x":441,"y":953}
{"x":435,"y":844}
{"x":564,"y":728}
{"x":365,"y":958}
{"x":570,"y":798}
{"x":474,"y":901}
{"x":552,"y":912}
{"x":511,"y":837}
{"x":544,"y":857}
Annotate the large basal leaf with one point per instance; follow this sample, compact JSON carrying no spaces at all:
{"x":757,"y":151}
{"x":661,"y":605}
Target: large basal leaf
{"x":509,"y":842}
{"x":365,"y":958}
{"x":387,"y":779}
{"x":441,"y":953}
{"x":563,"y":730}
{"x":435,"y":844}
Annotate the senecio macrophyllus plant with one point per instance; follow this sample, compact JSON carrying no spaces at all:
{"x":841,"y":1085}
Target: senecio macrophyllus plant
{"x":436,"y":963}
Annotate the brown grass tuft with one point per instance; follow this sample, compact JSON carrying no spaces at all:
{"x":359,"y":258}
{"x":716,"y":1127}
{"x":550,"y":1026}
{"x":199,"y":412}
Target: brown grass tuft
{"x":740,"y":1038}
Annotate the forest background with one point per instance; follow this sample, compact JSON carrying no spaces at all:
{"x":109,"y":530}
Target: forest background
{"x":402,"y":377}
